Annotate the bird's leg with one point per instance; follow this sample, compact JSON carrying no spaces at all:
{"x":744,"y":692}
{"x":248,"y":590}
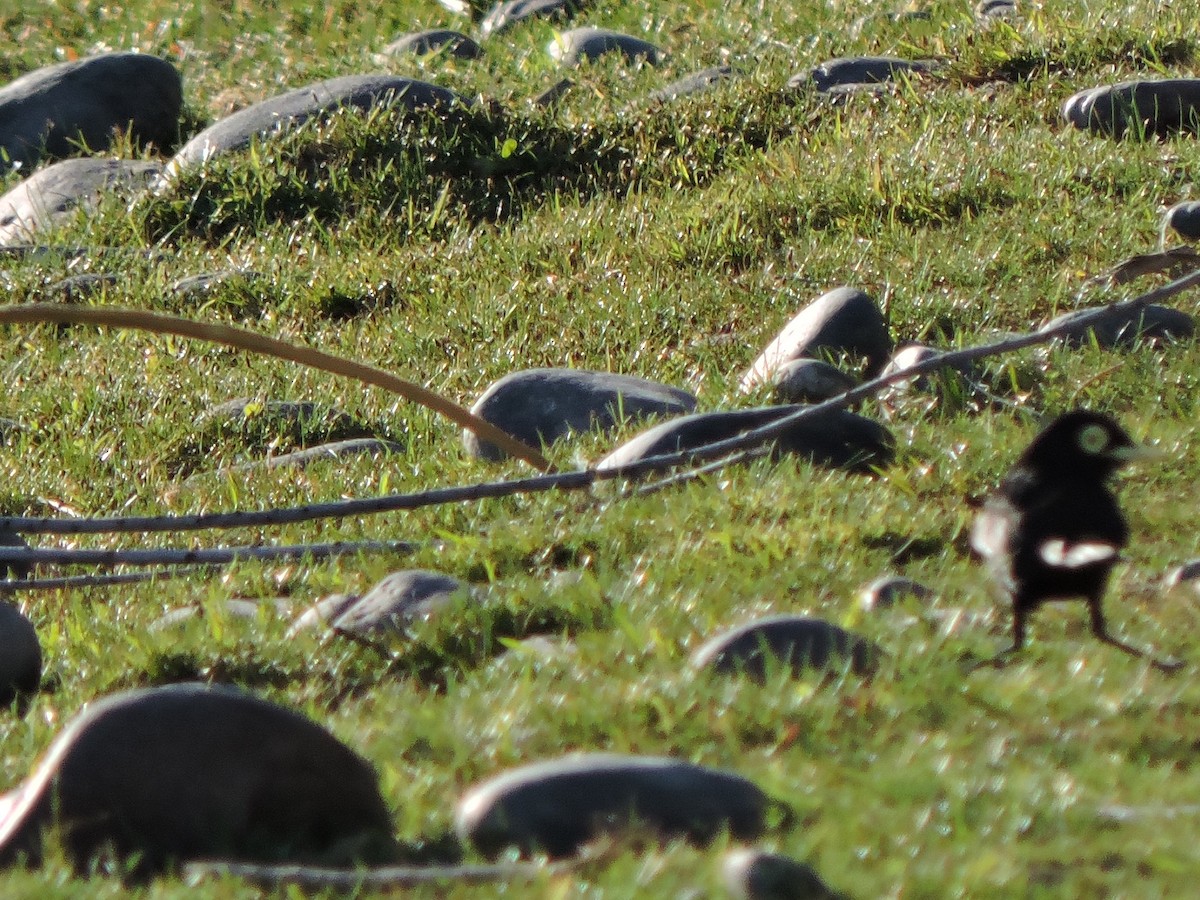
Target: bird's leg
{"x":1000,"y":660}
{"x":1100,"y":630}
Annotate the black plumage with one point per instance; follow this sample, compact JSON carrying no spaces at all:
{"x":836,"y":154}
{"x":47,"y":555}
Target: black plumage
{"x":1053,"y":529}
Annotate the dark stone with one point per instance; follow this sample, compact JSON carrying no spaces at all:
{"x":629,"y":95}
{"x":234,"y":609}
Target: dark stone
{"x":1160,"y":108}
{"x":696,"y":83}
{"x":505,"y":15}
{"x":20,"y":656}
{"x":556,"y":807}
{"x":1152,"y":323}
{"x":334,"y":450}
{"x":990,"y":10}
{"x":185,"y":772}
{"x":856,"y":70}
{"x":60,"y":191}
{"x":811,"y":381}
{"x":81,"y":287}
{"x":541,"y":406}
{"x":579,"y":45}
{"x":757,"y":875}
{"x":1184,"y":218}
{"x":554,"y":93}
{"x":398,"y":600}
{"x":288,"y":111}
{"x":844,"y":320}
{"x":888,"y":590}
{"x":838,"y":439}
{"x":258,"y":424}
{"x":53,"y":110}
{"x":435,"y":40}
{"x":791,"y":643}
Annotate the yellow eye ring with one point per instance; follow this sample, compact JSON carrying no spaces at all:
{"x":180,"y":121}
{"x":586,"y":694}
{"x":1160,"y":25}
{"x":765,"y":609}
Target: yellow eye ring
{"x":1093,"y":439}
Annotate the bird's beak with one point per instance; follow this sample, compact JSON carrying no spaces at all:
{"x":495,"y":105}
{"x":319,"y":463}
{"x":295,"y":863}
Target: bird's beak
{"x":1136,"y":453}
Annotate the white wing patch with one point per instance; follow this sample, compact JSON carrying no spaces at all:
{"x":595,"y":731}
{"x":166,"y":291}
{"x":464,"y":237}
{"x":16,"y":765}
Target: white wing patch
{"x":1064,"y":555}
{"x":989,"y":535}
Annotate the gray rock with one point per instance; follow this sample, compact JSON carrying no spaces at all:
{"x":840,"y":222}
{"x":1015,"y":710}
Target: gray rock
{"x":505,"y":15}
{"x":1151,"y":107}
{"x":991,"y":10}
{"x":185,"y":772}
{"x":888,"y":590}
{"x":556,"y":807}
{"x":811,"y":381}
{"x":322,"y":613}
{"x":791,"y":643}
{"x":60,"y":191}
{"x":843,"y":320}
{"x":1184,"y":219}
{"x":259,"y":423}
{"x":288,"y":111}
{"x":81,"y":287}
{"x":857,"y":70}
{"x":398,"y":600}
{"x":53,"y":110}
{"x":696,"y":83}
{"x":435,"y":40}
{"x":838,"y":438}
{"x":579,"y":45}
{"x":541,"y":406}
{"x":298,"y":459}
{"x":20,"y":655}
{"x":752,"y":874}
{"x":952,"y":379}
{"x":243,"y":610}
{"x":1153,"y":323}
{"x":202,"y":286}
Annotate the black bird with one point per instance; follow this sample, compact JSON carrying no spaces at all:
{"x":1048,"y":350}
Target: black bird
{"x":1053,"y":530}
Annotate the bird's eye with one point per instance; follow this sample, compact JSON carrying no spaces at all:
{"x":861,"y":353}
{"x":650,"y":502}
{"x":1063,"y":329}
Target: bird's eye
{"x":1093,"y":438}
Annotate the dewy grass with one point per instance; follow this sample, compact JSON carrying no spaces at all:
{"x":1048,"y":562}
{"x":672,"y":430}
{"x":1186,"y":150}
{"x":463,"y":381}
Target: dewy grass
{"x":670,"y":242}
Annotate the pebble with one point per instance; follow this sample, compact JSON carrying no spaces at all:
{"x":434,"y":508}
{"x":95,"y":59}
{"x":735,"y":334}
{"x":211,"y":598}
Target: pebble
{"x":298,"y":459}
{"x":837,"y":439}
{"x":579,"y":45}
{"x":798,"y":643}
{"x":20,"y":655}
{"x":1184,"y":219}
{"x":60,"y":191}
{"x":857,"y":70}
{"x":752,"y":874}
{"x":844,"y":320}
{"x":198,"y":288}
{"x":542,"y":406}
{"x":696,"y":83}
{"x":557,"y":806}
{"x":288,"y":111}
{"x":243,"y":610}
{"x":81,"y":287}
{"x":1152,"y":323}
{"x":1159,"y":107}
{"x":811,"y":381}
{"x":435,"y":40}
{"x":505,"y":15}
{"x":55,"y":110}
{"x":189,"y":771}
{"x":322,"y":613}
{"x":398,"y":600}
{"x":888,"y":590}
{"x":991,"y":10}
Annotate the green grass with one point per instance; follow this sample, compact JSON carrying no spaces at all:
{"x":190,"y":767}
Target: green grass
{"x":670,"y":243}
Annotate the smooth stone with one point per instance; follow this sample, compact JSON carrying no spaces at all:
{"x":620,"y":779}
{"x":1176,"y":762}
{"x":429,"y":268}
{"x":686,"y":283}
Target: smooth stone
{"x":189,"y":771}
{"x":811,"y":381}
{"x":53,"y":110}
{"x":1162,"y":107}
{"x":288,"y":111}
{"x":374,"y":447}
{"x":579,"y":45}
{"x":888,"y":590}
{"x":205,"y":284}
{"x":20,"y":655}
{"x":435,"y":40}
{"x":990,"y":10}
{"x":242,"y":610}
{"x":59,"y":192}
{"x":1153,"y":323}
{"x":838,"y":439}
{"x":1186,"y":575}
{"x":554,"y":93}
{"x":557,"y":806}
{"x":398,"y":600}
{"x":696,"y":83}
{"x":844,"y":320}
{"x":1184,"y":218}
{"x":542,"y":406}
{"x":752,"y":874}
{"x":857,"y":70}
{"x":505,"y":15}
{"x":913,"y":355}
{"x":82,"y":287}
{"x":794,"y":643}
{"x":304,"y":423}
{"x":322,"y":613}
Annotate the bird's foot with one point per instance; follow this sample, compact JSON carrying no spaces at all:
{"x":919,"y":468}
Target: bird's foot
{"x":999,"y":661}
{"x":1163,"y":665}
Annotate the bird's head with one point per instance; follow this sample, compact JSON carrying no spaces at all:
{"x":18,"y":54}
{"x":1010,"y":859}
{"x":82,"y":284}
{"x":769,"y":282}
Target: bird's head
{"x":1081,"y":442}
